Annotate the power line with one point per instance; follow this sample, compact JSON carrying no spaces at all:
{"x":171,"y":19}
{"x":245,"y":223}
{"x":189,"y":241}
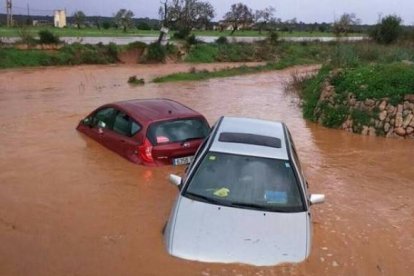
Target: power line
{"x":39,"y":10}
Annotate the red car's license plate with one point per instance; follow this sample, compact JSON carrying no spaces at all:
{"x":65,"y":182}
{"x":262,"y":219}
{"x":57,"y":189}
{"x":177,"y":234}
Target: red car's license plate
{"x":183,"y":160}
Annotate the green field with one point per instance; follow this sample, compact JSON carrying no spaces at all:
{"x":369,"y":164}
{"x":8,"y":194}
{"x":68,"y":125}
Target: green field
{"x":74,"y":32}
{"x":264,"y":33}
{"x":94,"y":32}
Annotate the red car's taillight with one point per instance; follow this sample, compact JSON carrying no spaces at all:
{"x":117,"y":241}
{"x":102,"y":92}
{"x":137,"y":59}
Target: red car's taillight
{"x":145,"y":151}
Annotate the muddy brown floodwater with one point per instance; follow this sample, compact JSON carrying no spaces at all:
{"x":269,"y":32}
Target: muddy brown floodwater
{"x":69,"y":206}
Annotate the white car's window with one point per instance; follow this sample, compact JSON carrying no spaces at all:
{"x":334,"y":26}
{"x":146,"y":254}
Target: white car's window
{"x":246,"y":182}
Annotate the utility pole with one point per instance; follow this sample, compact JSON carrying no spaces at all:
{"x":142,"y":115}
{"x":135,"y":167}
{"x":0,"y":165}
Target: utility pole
{"x":9,"y":13}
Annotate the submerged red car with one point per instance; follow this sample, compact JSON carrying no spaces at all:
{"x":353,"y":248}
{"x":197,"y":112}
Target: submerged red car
{"x":149,"y":132}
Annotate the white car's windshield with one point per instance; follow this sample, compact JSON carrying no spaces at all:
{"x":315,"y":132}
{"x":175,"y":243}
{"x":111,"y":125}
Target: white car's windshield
{"x":246,"y":182}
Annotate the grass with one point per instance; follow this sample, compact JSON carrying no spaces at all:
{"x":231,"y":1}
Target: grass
{"x":68,"y":55}
{"x":289,"y":54}
{"x":195,"y":75}
{"x":76,"y":54}
{"x":311,"y":92}
{"x":74,"y":32}
{"x":260,"y":51}
{"x":376,"y":81}
{"x":205,"y":74}
{"x":94,"y":32}
{"x":364,"y":81}
{"x":264,"y":33}
{"x":13,"y":58}
{"x":234,"y":52}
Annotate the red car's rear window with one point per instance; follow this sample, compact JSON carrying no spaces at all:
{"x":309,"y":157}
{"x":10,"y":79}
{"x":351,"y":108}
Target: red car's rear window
{"x":175,"y":131}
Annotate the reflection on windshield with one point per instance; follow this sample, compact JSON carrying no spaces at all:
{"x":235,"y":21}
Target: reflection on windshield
{"x":246,"y":182}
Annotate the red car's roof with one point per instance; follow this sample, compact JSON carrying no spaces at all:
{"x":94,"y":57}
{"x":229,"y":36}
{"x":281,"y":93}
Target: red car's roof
{"x":149,"y":110}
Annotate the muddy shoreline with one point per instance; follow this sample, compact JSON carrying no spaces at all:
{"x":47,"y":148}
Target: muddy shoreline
{"x":69,"y":206}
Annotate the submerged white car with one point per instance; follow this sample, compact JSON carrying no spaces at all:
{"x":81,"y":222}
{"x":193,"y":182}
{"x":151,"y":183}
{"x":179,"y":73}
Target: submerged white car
{"x":244,"y":198}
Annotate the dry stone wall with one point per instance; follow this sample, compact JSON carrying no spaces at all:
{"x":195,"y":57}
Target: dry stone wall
{"x":384,"y":118}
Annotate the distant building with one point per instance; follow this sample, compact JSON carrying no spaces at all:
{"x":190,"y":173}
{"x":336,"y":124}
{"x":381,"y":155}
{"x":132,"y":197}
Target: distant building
{"x":42,"y":23}
{"x":60,"y":18}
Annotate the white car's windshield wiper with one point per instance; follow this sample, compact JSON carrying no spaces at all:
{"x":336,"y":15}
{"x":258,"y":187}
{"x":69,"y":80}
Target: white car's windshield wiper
{"x":247,"y":205}
{"x":203,"y":198}
{"x":258,"y":207}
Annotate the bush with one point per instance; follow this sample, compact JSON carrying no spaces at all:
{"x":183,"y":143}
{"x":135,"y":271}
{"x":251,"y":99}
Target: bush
{"x":205,"y":53}
{"x":360,"y":119}
{"x":182,"y":34}
{"x":26,"y":37}
{"x":112,"y":51}
{"x":171,"y":49}
{"x":47,"y":37}
{"x":106,"y":25}
{"x":222,"y":40}
{"x":388,"y":31}
{"x":312,"y":92}
{"x":333,"y":117}
{"x":345,"y":55}
{"x":88,"y":54}
{"x":136,"y":45}
{"x":273,"y":38}
{"x":192,"y":40}
{"x":237,"y":52}
{"x":143,"y":26}
{"x":156,"y":53}
{"x":133,"y":80}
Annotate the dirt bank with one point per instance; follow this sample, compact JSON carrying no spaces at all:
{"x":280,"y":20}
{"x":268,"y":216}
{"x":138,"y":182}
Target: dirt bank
{"x":68,"y":206}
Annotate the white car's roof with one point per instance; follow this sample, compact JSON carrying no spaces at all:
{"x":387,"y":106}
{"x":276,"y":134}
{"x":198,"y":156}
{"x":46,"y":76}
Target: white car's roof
{"x":255,"y":127}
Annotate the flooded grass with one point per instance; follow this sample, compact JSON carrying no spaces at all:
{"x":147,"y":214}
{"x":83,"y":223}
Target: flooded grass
{"x":231,"y":72}
{"x":223,"y":73}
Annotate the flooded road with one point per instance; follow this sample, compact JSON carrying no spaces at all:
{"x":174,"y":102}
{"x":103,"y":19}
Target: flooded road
{"x":69,"y":206}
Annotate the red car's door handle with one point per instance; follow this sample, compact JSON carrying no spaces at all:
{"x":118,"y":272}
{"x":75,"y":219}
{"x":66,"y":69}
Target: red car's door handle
{"x":122,"y":141}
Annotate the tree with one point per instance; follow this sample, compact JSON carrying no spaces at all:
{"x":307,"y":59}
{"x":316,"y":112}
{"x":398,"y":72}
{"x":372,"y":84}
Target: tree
{"x":239,"y":15}
{"x":388,"y":30}
{"x":264,"y":17}
{"x":124,"y":18}
{"x":163,"y":12}
{"x":187,"y":14}
{"x":345,"y":23}
{"x":79,"y":18}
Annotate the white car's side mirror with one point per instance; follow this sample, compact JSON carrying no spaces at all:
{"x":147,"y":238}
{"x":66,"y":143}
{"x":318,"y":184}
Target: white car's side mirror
{"x":175,"y":179}
{"x":316,"y":199}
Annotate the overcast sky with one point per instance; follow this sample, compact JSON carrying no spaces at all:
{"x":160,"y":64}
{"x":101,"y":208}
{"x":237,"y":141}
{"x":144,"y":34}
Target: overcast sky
{"x":304,"y":10}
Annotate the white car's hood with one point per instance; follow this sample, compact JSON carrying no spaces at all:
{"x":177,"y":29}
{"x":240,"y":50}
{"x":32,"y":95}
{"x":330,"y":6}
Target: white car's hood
{"x":212,"y":233}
